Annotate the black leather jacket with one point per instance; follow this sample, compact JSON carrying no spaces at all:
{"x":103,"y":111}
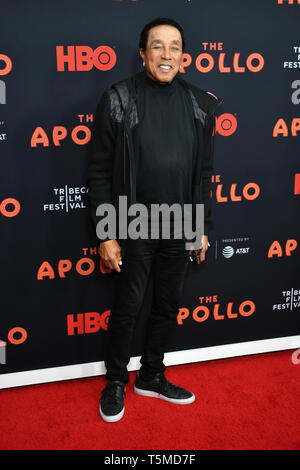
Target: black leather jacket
{"x":111,"y":155}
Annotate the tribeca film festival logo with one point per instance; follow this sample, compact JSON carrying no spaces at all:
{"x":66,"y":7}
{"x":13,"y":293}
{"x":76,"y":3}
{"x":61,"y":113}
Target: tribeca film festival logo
{"x":290,"y":300}
{"x":67,"y":198}
{"x":294,"y":64}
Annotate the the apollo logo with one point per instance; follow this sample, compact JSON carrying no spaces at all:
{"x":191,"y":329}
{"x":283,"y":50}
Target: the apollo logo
{"x":80,"y":135}
{"x":10,"y":207}
{"x":288,"y":2}
{"x":7,"y":64}
{"x":293,"y":64}
{"x":283,"y":129}
{"x":297,"y":183}
{"x":279,"y":250}
{"x":16,"y":335}
{"x":4,"y":70}
{"x":234,"y":193}
{"x":84,"y":266}
{"x":84,"y":58}
{"x":225,"y":62}
{"x":205,"y":63}
{"x":226,"y":125}
{"x":214,"y":310}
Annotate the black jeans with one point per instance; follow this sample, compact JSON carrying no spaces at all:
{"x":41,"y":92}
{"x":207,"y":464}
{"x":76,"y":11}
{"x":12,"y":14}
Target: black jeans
{"x":167,"y":261}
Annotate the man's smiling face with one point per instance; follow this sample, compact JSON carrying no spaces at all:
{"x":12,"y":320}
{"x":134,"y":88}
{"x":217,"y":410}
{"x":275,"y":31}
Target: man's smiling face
{"x":163,"y":54}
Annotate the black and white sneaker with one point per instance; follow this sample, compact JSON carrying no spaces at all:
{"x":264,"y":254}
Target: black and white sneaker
{"x":112,"y":401}
{"x":160,"y":387}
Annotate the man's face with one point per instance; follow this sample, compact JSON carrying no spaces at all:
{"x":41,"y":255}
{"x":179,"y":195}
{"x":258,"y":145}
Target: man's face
{"x":163,"y":54}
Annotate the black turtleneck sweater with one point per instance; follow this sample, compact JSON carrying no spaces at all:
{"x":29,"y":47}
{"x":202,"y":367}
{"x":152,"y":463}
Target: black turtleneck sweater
{"x":166,"y":143}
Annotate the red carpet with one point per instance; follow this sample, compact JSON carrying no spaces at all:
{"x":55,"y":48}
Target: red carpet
{"x":241,"y":403}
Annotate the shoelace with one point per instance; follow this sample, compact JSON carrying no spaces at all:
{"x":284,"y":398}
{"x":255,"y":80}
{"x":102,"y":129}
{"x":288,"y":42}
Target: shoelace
{"x":114,"y":392}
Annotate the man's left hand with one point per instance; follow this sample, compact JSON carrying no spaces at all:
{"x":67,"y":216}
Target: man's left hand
{"x":201,"y":253}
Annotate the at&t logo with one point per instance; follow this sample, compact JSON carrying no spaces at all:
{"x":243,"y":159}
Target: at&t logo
{"x":228,"y":251}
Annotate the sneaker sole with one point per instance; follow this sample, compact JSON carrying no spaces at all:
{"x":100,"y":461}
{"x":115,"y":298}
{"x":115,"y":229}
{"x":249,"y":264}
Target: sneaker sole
{"x":114,"y":418}
{"x":149,"y":393}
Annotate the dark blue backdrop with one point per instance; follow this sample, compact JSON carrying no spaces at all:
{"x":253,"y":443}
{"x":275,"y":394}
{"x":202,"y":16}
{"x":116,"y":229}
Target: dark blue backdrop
{"x":40,"y":291}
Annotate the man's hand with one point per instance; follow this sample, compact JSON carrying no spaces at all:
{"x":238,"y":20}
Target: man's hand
{"x":111,"y":253}
{"x":201,"y":253}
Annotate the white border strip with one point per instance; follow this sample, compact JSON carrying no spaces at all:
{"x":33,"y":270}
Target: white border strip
{"x":90,"y":369}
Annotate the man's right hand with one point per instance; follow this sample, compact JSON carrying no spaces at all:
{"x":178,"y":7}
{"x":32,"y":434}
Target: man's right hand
{"x":111,"y":253}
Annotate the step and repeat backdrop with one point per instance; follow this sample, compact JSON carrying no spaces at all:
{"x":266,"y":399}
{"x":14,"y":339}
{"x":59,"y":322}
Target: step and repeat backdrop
{"x":56,"y":59}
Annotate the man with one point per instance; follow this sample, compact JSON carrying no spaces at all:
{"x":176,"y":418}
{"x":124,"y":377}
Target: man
{"x":152,"y":142}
